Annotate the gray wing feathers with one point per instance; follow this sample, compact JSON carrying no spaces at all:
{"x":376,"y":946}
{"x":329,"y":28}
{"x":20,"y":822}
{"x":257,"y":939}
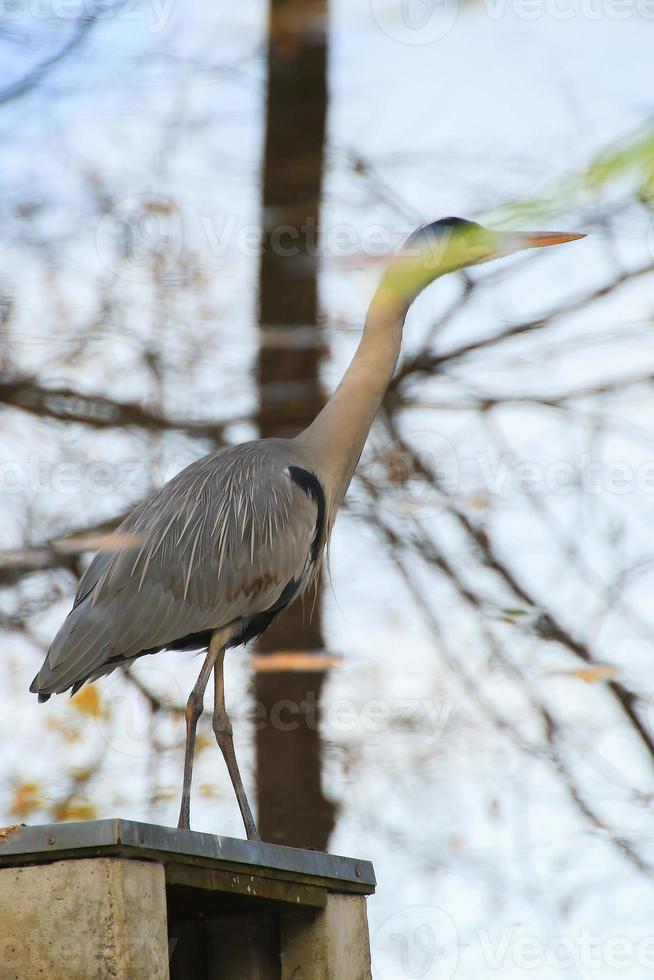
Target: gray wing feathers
{"x":219,"y":542}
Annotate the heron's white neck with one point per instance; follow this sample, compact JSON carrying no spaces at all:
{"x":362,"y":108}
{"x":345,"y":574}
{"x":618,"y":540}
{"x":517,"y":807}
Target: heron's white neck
{"x":334,"y":441}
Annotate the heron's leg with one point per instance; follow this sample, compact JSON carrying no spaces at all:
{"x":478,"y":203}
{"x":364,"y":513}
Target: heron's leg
{"x":223,"y":731}
{"x":194,"y":708}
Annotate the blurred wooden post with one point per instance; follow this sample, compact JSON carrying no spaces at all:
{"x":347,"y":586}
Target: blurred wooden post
{"x":291,"y":807}
{"x":113,"y":898}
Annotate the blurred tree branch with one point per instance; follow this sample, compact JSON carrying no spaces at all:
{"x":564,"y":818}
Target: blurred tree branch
{"x":98,"y":411}
{"x":37,"y":73}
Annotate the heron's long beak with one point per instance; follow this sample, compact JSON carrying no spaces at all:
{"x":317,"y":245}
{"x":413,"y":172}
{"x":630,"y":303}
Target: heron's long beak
{"x":540,"y":239}
{"x":509,"y":242}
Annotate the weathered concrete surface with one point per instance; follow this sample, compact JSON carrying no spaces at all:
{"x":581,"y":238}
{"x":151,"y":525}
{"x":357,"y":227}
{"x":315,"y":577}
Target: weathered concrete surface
{"x":331,"y":944}
{"x":119,"y":900}
{"x":85,"y":919}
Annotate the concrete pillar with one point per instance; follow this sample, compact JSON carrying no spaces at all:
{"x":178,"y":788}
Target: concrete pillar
{"x":87,"y":919}
{"x":118,"y":900}
{"x":327,"y":944}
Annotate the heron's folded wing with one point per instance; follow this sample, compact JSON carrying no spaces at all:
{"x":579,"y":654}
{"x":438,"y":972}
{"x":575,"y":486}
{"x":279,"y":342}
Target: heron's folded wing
{"x":220,"y":542}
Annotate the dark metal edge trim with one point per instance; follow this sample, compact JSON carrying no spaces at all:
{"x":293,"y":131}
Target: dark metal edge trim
{"x":50,"y":842}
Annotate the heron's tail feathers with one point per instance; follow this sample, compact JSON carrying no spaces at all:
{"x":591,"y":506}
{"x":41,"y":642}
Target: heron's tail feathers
{"x":80,"y":651}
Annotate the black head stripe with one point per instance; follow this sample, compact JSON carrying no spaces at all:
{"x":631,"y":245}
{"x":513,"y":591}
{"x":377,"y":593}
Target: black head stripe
{"x":441,"y":230}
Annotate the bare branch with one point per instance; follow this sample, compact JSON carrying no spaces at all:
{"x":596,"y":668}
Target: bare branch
{"x":40,"y":71}
{"x":426,"y":362}
{"x":98,"y":411}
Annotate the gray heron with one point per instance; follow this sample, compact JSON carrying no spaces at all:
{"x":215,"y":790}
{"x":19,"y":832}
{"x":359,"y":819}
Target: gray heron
{"x":215,"y":555}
